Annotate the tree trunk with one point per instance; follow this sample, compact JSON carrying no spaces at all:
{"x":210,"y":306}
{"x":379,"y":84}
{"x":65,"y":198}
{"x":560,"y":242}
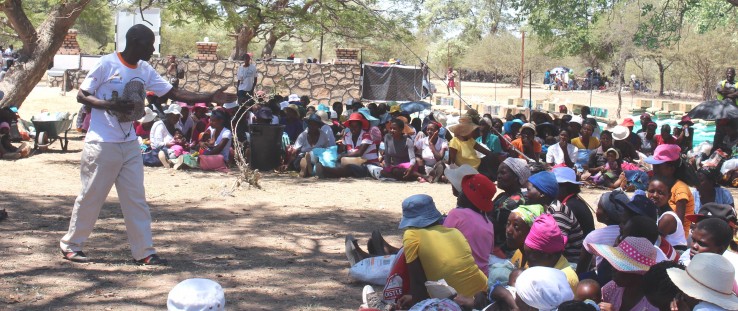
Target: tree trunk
{"x":662,"y":69}
{"x":47,"y":39}
{"x":271,"y":42}
{"x":245,"y":35}
{"x":620,"y":67}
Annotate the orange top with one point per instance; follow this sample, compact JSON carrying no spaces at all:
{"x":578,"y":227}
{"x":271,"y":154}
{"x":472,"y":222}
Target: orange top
{"x":518,"y":143}
{"x":123,"y":61}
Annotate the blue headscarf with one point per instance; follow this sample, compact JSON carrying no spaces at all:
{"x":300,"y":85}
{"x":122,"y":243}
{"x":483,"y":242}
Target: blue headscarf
{"x":507,"y":126}
{"x":546,"y":183}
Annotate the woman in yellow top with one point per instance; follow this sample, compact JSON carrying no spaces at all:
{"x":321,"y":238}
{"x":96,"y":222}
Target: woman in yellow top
{"x":586,"y":140}
{"x":434,"y":252}
{"x":668,"y":166}
{"x":462,"y":149}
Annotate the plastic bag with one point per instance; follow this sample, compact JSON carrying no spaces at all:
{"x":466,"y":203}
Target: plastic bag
{"x":372,"y":270}
{"x":327,"y":156}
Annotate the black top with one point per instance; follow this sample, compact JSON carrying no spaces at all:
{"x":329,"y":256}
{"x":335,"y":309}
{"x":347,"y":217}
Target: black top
{"x":582,"y":212}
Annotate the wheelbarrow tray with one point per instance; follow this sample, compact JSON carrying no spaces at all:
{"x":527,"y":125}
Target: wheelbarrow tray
{"x":53,"y":130}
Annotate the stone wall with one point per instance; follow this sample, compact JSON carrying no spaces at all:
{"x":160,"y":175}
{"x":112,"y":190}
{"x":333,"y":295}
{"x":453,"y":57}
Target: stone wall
{"x":324,"y":83}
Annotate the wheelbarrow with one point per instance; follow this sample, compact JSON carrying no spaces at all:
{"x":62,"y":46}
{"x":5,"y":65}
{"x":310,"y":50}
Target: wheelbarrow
{"x":47,"y":132}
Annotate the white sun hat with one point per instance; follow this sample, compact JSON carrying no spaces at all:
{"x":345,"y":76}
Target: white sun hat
{"x":196,"y":295}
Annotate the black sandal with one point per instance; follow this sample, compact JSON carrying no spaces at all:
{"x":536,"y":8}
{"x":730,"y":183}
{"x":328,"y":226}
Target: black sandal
{"x":152,"y":260}
{"x":75,"y":256}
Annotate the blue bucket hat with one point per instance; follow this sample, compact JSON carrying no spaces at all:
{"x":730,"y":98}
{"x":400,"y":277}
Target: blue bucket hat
{"x":419,"y":211}
{"x":546,"y":183}
{"x":507,"y":126}
{"x":368,"y":116}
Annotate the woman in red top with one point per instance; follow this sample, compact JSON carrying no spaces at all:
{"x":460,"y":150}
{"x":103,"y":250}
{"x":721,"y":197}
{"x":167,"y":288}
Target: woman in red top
{"x":665,"y":136}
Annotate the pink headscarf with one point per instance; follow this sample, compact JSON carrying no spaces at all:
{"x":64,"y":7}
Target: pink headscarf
{"x":545,"y":235}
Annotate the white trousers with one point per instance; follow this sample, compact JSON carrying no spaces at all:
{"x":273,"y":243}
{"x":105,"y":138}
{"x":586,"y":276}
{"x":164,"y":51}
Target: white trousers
{"x":102,"y":165}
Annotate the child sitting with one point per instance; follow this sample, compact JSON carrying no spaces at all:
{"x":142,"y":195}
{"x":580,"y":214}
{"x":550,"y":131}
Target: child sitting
{"x":179,"y":145}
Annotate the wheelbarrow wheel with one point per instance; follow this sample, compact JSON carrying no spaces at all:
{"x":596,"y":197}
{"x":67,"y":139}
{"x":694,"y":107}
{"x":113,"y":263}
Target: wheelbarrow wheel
{"x":41,"y":141}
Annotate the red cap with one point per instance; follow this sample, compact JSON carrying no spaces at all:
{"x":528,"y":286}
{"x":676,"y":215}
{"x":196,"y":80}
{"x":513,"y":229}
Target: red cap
{"x":628,"y":122}
{"x":479,"y":190}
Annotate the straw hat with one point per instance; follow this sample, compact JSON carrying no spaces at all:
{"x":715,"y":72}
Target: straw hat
{"x":709,"y":277}
{"x":324,"y":117}
{"x":464,"y":127}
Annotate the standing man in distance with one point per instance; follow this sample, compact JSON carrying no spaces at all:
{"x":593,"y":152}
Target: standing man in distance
{"x":727,"y":87}
{"x":246,"y":76}
{"x":111,"y":155}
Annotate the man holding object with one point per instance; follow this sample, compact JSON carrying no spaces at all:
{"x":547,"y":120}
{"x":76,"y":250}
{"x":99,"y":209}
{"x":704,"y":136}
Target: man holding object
{"x":111,"y":155}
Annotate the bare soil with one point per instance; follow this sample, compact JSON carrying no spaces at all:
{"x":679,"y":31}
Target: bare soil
{"x":280,"y":248}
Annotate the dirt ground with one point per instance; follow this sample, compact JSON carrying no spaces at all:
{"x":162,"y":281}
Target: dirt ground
{"x":280,"y":248}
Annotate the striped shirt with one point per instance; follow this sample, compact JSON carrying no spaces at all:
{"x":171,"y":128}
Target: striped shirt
{"x":570,"y":228}
{"x":370,"y":155}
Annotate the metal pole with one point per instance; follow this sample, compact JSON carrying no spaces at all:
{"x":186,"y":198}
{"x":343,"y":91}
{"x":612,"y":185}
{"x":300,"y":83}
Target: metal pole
{"x":495,"y":83}
{"x":530,"y":87}
{"x":448,"y":55}
{"x":591,"y":89}
{"x":522,"y":65}
{"x":320,"y":59}
{"x":461,"y":103}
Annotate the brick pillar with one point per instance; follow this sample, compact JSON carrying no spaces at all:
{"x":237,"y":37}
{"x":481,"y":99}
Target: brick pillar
{"x":206,"y":51}
{"x":346,"y":56}
{"x":70,"y":46}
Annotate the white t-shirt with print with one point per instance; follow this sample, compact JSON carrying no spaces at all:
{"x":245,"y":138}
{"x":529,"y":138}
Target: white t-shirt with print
{"x":555,"y":154}
{"x":109,"y":75}
{"x":246,"y":75}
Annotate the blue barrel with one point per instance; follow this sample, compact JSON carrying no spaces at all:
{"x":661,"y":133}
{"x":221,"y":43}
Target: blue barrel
{"x":266,"y":146}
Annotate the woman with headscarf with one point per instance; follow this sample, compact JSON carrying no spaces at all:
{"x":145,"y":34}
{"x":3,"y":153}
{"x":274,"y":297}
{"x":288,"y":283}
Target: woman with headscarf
{"x":543,"y":188}
{"x":517,"y":228}
{"x":512,"y":175}
{"x":542,"y":288}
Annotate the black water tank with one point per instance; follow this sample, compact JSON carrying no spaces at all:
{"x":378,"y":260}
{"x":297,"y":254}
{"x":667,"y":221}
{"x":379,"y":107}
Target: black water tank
{"x":266,"y":146}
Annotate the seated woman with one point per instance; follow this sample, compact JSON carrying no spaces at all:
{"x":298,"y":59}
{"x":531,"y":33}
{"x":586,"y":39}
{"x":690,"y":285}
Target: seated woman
{"x":202,"y":121}
{"x":463,"y":148}
{"x":513,"y":174}
{"x":434,"y":252}
{"x":612,"y":175}
{"x":487,"y":138}
{"x":292,"y":124}
{"x":7,"y":150}
{"x":526,"y":145}
{"x":647,"y":139}
{"x":632,"y":258}
{"x":563,"y":153}
{"x":586,"y":140}
{"x":217,"y":139}
{"x":144,"y":125}
{"x":357,"y":147}
{"x":162,"y":133}
{"x":399,"y":154}
{"x":474,"y":200}
{"x":311,"y":138}
{"x":708,"y":190}
{"x":432,"y":149}
{"x":597,"y":158}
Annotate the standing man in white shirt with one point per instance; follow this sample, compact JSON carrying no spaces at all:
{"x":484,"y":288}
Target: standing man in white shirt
{"x":111,"y":155}
{"x":246,"y":76}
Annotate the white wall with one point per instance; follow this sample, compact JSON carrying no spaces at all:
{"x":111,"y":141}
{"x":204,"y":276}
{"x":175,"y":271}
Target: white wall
{"x":125,"y":20}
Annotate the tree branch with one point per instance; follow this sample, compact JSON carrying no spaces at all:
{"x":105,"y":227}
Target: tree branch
{"x":19,"y":21}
